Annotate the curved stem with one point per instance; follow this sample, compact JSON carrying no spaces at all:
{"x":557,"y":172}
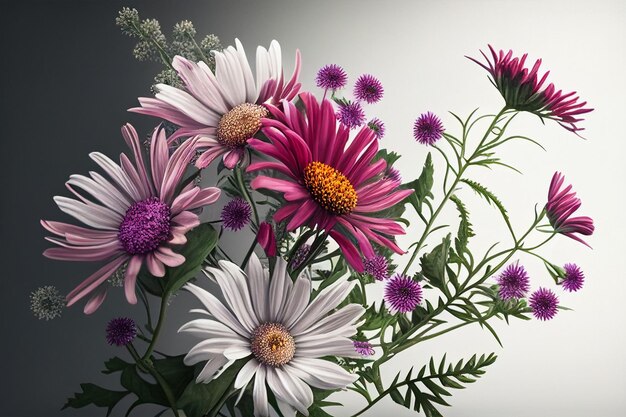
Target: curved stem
{"x":158,"y":327}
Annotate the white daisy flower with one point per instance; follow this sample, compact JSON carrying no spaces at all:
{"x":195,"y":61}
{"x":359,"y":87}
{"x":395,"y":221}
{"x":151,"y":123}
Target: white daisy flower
{"x":283,"y":333}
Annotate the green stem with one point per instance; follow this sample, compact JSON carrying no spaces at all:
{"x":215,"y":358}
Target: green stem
{"x":158,"y":327}
{"x":245,"y":193}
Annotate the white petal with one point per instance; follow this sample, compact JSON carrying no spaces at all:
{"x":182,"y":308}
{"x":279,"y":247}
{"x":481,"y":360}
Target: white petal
{"x":187,"y":104}
{"x":246,"y":373}
{"x":276,"y":65}
{"x":320,"y":373}
{"x":280,"y":290}
{"x":251,"y":91}
{"x":327,"y":300}
{"x":337,"y":323}
{"x":298,"y":301}
{"x":208,"y":372}
{"x":208,"y":328}
{"x":287,"y":410}
{"x":329,"y":347}
{"x":117,"y":174}
{"x":102,"y":194}
{"x":232,"y":282}
{"x":238,"y":352}
{"x":92,"y":215}
{"x":262,"y":67}
{"x":290,"y":389}
{"x":259,"y":282}
{"x":259,"y":394}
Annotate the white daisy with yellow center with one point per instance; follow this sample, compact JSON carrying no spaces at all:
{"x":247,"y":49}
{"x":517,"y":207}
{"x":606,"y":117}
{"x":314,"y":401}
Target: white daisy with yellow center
{"x":284,"y":334}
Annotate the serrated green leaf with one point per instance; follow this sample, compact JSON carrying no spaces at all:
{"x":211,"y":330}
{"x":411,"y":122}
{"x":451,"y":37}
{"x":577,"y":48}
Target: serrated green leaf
{"x":95,"y":395}
{"x":422,"y":186}
{"x":488,"y":195}
{"x":434,"y":264}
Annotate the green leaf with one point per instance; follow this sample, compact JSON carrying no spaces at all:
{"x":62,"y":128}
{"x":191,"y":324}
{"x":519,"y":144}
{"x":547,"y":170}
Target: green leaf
{"x":488,"y":195}
{"x":98,"y":396}
{"x":465,"y":227}
{"x":434,"y":264}
{"x":422,"y":186}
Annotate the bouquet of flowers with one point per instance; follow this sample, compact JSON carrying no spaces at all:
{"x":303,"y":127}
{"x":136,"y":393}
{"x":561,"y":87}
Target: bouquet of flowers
{"x":292,"y":320}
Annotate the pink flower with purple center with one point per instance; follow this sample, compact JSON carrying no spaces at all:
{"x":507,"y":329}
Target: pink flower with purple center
{"x":331,"y":77}
{"x":574,"y":278}
{"x":377,"y":126}
{"x":513,"y":282}
{"x":236,"y":214}
{"x":402,"y":293}
{"x":363,"y":348}
{"x":134,"y":217}
{"x":561,"y":205}
{"x":368,"y":88}
{"x":428,"y":129}
{"x":544,"y":304}
{"x":328,"y":181}
{"x":377,"y":267}
{"x":351,"y":114}
{"x":121,"y":331}
{"x":522,"y":90}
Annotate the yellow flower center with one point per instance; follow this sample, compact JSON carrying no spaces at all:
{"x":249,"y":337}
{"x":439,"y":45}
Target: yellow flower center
{"x":272,"y":345}
{"x":330,"y":188}
{"x":240,"y":124}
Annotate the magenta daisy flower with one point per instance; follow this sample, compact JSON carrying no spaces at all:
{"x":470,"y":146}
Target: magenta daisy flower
{"x":368,"y":88}
{"x":351,"y":114}
{"x":403,"y":293}
{"x":328,"y":181}
{"x":544,"y":304}
{"x":236,"y":214}
{"x":377,"y":126}
{"x":522,"y":90}
{"x":513,"y":282}
{"x":363,"y":348}
{"x":134,"y":216}
{"x":331,"y":77}
{"x":224,"y":109}
{"x":561,"y":205}
{"x":377,"y":267}
{"x":428,"y":129}
{"x":121,"y":331}
{"x":574,"y":278}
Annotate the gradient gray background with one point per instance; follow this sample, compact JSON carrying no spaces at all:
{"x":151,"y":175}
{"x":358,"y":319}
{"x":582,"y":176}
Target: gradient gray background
{"x":68,"y":76}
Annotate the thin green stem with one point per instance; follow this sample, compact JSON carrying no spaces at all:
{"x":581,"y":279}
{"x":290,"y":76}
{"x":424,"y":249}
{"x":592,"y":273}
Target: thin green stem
{"x":159,"y":326}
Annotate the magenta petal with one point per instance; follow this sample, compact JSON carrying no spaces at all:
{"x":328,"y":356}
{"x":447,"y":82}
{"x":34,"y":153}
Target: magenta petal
{"x":96,"y":300}
{"x":130,"y":278}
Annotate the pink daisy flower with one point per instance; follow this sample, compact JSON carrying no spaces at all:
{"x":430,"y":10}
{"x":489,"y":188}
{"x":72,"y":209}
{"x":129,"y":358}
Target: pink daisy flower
{"x":522,"y":90}
{"x":561,"y":205}
{"x":224,"y":109}
{"x":329,"y":182}
{"x":134,"y":216}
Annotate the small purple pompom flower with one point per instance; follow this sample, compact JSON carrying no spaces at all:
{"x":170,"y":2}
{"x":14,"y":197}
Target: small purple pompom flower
{"x":402,"y":293}
{"x":236,"y":214}
{"x":574,"y":278}
{"x":393,"y":174}
{"x":544,"y":304}
{"x":300,"y":256}
{"x":367,"y":88}
{"x":427,"y":129}
{"x":363,"y":348}
{"x":513,"y":282}
{"x":351,"y":115}
{"x":377,"y":126}
{"x":377,"y":267}
{"x":331,"y":77}
{"x":121,"y":331}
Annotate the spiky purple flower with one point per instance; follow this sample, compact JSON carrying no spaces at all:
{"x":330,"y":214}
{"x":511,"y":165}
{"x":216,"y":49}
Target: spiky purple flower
{"x":368,"y":88}
{"x":428,"y":129}
{"x":393,"y":174}
{"x":300,"y":256}
{"x":351,"y":115}
{"x":513,"y":282}
{"x":363,"y":348}
{"x":402,"y":293}
{"x":377,"y":126}
{"x":121,"y":331}
{"x":236,"y":214}
{"x":544,"y":304}
{"x":377,"y":267}
{"x":331,"y":77}
{"x":574,"y":278}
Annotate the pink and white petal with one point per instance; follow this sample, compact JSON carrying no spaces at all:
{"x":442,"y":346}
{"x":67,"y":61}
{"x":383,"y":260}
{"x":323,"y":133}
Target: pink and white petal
{"x":187,"y":104}
{"x":168,"y":257}
{"x":181,"y":202}
{"x":61,"y":229}
{"x":81,"y":253}
{"x":155,"y":266}
{"x":96,"y":299}
{"x":205,"y":197}
{"x":231,"y":157}
{"x":159,"y":155}
{"x":217,"y":309}
{"x":92,"y":215}
{"x":99,"y":192}
{"x":186,"y":219}
{"x":116,"y":173}
{"x":94,"y":280}
{"x":259,"y":394}
{"x":159,"y":108}
{"x":132,"y":140}
{"x":246,"y":373}
{"x":130,"y":278}
{"x":199,"y":85}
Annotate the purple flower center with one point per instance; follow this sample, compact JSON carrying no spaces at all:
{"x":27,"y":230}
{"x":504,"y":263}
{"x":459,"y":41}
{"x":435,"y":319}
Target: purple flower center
{"x":145,"y":226}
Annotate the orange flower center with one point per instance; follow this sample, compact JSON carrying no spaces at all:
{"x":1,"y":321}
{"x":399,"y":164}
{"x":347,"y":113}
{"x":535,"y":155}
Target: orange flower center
{"x":272,"y":345}
{"x":330,"y":188}
{"x":240,"y":124}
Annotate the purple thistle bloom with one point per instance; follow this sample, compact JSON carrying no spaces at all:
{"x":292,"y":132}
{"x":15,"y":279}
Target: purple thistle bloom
{"x":377,"y":126}
{"x":351,"y":115}
{"x":367,"y":88}
{"x":377,"y":267}
{"x":574,"y":278}
{"x":300,"y":256}
{"x":331,"y":77}
{"x":402,"y":293}
{"x":428,"y":129}
{"x":514,"y":282}
{"x":363,"y":348}
{"x":121,"y":331}
{"x":236,"y":214}
{"x":561,"y":205}
{"x":544,"y":304}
